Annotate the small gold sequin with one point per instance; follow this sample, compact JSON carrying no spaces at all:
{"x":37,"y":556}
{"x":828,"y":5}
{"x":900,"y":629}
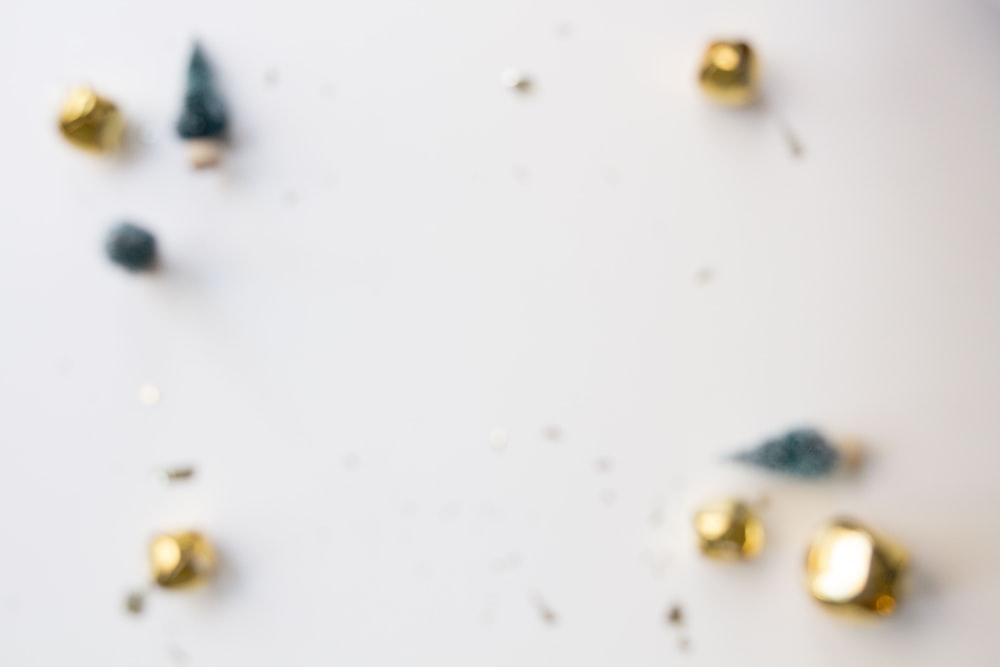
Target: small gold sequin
{"x":852,"y":569}
{"x":91,"y":122}
{"x":728,"y":530}
{"x":181,"y":560}
{"x":730,"y":73}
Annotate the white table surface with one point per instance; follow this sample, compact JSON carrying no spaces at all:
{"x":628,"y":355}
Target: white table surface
{"x":400,"y":256}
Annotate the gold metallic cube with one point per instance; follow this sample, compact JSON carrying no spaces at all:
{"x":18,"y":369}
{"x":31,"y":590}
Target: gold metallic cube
{"x":728,"y":530}
{"x":90,"y":122}
{"x":852,"y":569}
{"x":730,"y":73}
{"x":181,"y":560}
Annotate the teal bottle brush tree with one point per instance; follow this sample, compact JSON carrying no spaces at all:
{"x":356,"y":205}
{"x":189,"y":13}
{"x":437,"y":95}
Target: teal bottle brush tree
{"x":803,"y":453}
{"x":203,"y":122}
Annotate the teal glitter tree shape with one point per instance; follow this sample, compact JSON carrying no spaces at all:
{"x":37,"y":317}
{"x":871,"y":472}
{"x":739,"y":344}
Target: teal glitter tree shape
{"x":802,"y":452}
{"x":204,"y":115}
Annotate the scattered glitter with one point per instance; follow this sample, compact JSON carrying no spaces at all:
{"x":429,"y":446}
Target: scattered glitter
{"x":178,"y":474}
{"x":149,"y":395}
{"x":135,"y":602}
{"x":604,"y":464}
{"x":704,"y":275}
{"x":675,"y":615}
{"x":498,"y":439}
{"x":552,"y":433}
{"x":515,"y":79}
{"x":795,"y":147}
{"x":545,"y":612}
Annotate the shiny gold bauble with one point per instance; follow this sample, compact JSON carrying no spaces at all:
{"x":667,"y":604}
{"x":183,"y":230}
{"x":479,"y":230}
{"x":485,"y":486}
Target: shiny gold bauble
{"x":852,"y":569}
{"x":91,"y":122}
{"x":181,"y":560}
{"x":728,"y":529}
{"x":730,"y":73}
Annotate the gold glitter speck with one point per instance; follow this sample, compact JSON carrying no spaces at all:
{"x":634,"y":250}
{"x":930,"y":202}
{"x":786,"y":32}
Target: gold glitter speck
{"x":515,"y":79}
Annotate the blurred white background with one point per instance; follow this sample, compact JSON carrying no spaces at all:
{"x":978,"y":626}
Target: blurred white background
{"x":400,"y":256}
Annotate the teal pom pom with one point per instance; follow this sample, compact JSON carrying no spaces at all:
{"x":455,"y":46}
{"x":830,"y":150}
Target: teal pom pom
{"x":204,"y":115}
{"x":800,"y":453}
{"x":131,"y":247}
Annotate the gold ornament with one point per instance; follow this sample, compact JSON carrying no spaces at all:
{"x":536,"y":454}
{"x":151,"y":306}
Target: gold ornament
{"x":728,"y":530}
{"x":181,"y":560}
{"x":852,"y":569}
{"x":730,"y":73}
{"x":90,"y":122}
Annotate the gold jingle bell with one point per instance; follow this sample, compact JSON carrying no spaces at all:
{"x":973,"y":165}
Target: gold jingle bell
{"x":91,"y":122}
{"x":728,"y":529}
{"x":852,"y":569}
{"x":181,"y":560}
{"x":730,"y":73}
